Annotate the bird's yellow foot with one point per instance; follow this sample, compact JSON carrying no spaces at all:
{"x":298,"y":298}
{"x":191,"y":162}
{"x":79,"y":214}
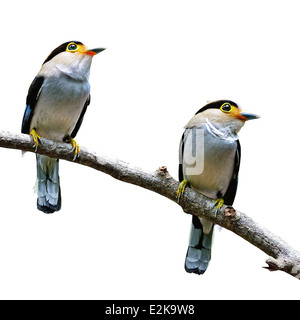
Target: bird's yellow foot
{"x":219,"y":203}
{"x":76,"y":148}
{"x":36,"y":138}
{"x":181,"y":188}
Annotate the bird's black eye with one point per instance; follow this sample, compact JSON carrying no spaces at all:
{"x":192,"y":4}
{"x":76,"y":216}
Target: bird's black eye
{"x":72,"y":47}
{"x":226,"y":107}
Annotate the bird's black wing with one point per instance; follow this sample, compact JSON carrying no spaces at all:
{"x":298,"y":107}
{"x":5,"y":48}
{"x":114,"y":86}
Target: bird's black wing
{"x":181,"y":150}
{"x":31,"y":100}
{"x":79,"y":122}
{"x":231,"y":191}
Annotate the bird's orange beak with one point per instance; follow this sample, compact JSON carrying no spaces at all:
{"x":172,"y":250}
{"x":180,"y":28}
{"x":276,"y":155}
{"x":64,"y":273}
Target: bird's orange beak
{"x":93,"y":52}
{"x":244,"y":116}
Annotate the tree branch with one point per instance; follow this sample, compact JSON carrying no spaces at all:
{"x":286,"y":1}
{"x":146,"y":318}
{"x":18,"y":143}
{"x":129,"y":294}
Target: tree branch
{"x":282,"y":256}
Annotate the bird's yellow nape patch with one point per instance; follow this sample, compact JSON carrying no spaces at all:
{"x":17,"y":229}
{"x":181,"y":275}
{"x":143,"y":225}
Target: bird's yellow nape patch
{"x":74,"y":47}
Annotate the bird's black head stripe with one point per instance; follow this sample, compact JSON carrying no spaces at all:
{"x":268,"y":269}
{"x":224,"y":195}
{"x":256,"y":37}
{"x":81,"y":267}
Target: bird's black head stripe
{"x":59,"y":49}
{"x":216,"y":105}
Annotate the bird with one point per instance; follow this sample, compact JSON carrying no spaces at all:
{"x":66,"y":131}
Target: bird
{"x":56,"y":103}
{"x":209,"y":161}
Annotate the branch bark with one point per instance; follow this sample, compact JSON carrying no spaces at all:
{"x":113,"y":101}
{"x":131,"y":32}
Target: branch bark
{"x":281,"y":255}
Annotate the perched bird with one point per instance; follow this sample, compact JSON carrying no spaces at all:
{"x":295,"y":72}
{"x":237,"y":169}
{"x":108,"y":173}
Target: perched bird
{"x":55,"y":106}
{"x":209,"y":160}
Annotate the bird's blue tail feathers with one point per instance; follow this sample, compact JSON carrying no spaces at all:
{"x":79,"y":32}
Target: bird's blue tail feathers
{"x":48,"y":188}
{"x":199,"y":251}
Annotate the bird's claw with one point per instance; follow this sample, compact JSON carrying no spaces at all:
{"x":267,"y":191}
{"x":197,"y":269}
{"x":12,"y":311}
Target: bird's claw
{"x":181,"y":188}
{"x":76,"y":148}
{"x":219,"y":203}
{"x":35,"y":138}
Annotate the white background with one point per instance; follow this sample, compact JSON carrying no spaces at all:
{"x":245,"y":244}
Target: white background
{"x":164,"y":60}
